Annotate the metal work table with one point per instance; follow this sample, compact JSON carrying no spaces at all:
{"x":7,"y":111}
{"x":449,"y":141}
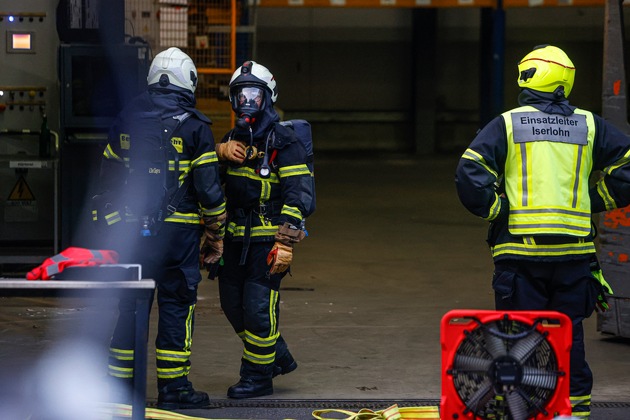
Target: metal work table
{"x":142,"y":290}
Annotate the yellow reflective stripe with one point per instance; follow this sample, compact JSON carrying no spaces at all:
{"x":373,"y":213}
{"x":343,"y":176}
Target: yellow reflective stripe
{"x":120,"y":354}
{"x":183,"y":165}
{"x":470,"y":154}
{"x":495,"y":209}
{"x":623,"y":161}
{"x":556,"y":221}
{"x":120,"y":372}
{"x":94,"y":215}
{"x":537,"y":250}
{"x":214,"y":211}
{"x":189,"y":328}
{"x":291,"y":211}
{"x":273,"y":302}
{"x":580,"y":400}
{"x":204,"y":159}
{"x":172,"y":355}
{"x":261,"y":341}
{"x":581,"y":406}
{"x":108,"y":153}
{"x":112,"y":218}
{"x":259,"y":359}
{"x":167,"y":373}
{"x":247,"y":172}
{"x":603,"y":192}
{"x":192,"y":218}
{"x":241,"y":335}
{"x":265,"y":190}
{"x":255,"y":231}
{"x":293,"y":170}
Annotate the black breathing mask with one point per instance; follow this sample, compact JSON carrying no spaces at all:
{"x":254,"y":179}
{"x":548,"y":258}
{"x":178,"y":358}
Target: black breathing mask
{"x":247,"y":103}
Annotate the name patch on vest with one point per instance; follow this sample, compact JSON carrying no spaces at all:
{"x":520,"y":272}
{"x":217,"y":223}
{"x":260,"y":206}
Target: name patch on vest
{"x":536,"y":126}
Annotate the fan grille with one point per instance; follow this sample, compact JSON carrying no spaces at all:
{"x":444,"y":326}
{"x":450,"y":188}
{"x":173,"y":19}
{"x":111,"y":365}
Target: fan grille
{"x":505,"y":370}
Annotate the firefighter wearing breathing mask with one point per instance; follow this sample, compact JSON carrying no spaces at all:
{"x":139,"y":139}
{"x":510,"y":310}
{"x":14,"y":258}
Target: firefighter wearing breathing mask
{"x":527,"y":173}
{"x":269,"y":192}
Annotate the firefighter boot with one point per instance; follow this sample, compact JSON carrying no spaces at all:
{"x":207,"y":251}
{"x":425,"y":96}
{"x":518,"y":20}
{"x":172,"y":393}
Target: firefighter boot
{"x":284,"y":363}
{"x":282,"y":367}
{"x":182,"y":397}
{"x":255,"y":381}
{"x":250,"y":388}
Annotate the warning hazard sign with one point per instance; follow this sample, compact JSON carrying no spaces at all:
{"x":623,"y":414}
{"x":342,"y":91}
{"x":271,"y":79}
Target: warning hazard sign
{"x":21,"y":191}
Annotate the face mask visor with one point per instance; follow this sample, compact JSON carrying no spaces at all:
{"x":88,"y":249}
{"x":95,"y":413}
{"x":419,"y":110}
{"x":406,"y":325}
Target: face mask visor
{"x":247,"y":100}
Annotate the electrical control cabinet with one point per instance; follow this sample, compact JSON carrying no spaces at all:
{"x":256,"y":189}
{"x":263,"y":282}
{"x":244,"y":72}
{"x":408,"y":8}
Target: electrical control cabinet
{"x":29,"y":126}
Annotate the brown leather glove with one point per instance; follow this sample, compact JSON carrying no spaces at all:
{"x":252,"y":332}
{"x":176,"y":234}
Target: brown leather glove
{"x":232,"y":150}
{"x":212,"y":242}
{"x":289,"y":234}
{"x":211,"y":251}
{"x":279,"y":258}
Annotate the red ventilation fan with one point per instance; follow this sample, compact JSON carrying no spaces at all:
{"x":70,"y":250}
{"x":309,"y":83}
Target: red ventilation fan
{"x":505,"y":365}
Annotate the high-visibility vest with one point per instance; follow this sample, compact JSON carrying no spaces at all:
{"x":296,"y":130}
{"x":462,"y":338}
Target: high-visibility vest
{"x":72,"y":256}
{"x":548,"y":164}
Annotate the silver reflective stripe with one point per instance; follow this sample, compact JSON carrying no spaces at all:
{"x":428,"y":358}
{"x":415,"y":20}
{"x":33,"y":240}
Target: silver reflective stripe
{"x":53,"y":269}
{"x":552,"y":211}
{"x":576,"y":184}
{"x":524,"y":175}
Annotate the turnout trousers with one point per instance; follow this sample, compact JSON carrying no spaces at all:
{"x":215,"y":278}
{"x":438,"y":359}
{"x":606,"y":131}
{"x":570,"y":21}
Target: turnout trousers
{"x":172,"y":259}
{"x":249,"y":298}
{"x":567,"y":287}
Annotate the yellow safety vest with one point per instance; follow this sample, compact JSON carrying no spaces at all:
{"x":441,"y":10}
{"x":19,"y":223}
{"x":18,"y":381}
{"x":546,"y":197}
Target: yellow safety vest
{"x":545,"y":154}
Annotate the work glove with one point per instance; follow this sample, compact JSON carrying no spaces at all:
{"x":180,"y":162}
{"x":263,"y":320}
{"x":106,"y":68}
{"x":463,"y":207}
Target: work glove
{"x":281,"y":254}
{"x":211,"y":251}
{"x":232,"y":150}
{"x":601,"y":304}
{"x":279,"y":258}
{"x":211,"y":248}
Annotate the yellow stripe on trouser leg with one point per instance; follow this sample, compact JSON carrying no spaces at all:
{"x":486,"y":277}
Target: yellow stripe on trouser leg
{"x":261,"y":350}
{"x":581,"y":406}
{"x":121,"y":363}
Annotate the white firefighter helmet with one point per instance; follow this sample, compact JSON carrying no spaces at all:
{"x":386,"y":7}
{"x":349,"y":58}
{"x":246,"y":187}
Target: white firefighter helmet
{"x":253,"y":74}
{"x":177,"y":66}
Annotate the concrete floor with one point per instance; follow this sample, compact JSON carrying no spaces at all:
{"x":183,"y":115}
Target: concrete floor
{"x":390,"y":251}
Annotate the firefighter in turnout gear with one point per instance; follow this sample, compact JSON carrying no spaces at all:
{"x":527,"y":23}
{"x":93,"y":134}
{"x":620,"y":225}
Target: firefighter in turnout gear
{"x":527,"y":173}
{"x":165,"y":239}
{"x":269,"y":191}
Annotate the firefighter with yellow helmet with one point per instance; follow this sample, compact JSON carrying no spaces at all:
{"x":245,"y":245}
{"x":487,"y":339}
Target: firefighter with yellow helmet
{"x":527,"y":173}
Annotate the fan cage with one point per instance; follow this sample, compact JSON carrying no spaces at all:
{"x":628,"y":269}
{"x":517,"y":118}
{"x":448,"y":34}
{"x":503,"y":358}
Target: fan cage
{"x":505,"y":365}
